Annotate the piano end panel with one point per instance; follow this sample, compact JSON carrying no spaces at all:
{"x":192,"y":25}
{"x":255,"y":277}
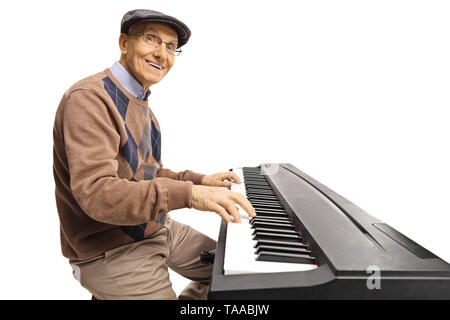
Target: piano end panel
{"x":285,"y":285}
{"x":220,"y":250}
{"x":298,"y":286}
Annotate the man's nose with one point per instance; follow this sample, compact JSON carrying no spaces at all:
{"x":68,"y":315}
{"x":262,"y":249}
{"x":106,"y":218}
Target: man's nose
{"x":161,"y":51}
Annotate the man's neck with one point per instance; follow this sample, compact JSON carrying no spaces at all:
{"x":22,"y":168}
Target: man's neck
{"x":128,"y":81}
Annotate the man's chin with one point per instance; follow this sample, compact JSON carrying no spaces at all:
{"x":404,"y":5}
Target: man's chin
{"x":153,"y":80}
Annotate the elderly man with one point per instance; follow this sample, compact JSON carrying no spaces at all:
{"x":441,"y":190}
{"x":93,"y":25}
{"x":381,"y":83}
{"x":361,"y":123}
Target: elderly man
{"x":112,"y":192}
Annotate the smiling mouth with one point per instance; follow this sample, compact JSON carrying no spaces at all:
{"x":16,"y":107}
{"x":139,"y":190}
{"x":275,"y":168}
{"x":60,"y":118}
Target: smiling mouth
{"x":154,"y":65}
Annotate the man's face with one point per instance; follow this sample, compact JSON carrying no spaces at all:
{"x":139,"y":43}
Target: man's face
{"x":137,"y":55}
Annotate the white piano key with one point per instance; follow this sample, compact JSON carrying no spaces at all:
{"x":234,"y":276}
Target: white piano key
{"x":240,"y":257}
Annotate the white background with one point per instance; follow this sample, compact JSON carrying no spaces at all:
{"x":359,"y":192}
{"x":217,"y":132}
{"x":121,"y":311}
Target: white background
{"x":354,"y":93}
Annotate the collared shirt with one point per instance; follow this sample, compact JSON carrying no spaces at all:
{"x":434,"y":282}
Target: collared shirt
{"x":128,"y":81}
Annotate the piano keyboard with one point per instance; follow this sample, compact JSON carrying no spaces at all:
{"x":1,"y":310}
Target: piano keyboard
{"x":268,"y":242}
{"x":359,"y":256}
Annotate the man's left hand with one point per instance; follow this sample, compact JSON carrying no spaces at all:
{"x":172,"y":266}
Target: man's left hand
{"x":221,"y":179}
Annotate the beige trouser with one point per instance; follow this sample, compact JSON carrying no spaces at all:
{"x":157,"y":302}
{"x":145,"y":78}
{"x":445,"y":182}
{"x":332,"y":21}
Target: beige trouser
{"x":140,"y":270}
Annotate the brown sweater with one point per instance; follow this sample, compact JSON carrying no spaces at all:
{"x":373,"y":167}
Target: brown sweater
{"x":111,"y":188}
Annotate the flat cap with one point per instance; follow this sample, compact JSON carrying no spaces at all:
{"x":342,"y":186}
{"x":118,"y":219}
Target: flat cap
{"x":134,"y":16}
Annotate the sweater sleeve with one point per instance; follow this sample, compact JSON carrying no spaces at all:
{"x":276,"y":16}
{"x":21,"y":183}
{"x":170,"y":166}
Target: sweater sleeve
{"x":187,"y":175}
{"x":92,"y":144}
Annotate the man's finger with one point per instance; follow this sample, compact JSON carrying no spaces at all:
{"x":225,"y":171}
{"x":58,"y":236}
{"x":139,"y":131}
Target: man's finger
{"x":227,"y":182}
{"x":235,"y":177}
{"x":230,"y":175}
{"x":231,"y":208}
{"x":222,"y":212}
{"x":244,"y":204}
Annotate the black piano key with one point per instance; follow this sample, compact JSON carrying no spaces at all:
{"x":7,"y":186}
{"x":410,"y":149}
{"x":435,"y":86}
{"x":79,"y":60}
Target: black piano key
{"x":266,"y":202}
{"x":282,"y":249}
{"x":263,"y":212}
{"x":277,"y":222}
{"x":253,"y":197}
{"x":282,"y":222}
{"x":253,"y":188}
{"x":252,"y":179}
{"x":277,"y":236}
{"x":270,"y":214}
{"x":255,"y":185}
{"x":268,"y":207}
{"x":276,"y":231}
{"x":250,"y":190}
{"x":257,"y":182}
{"x":271,"y":210}
{"x":267,"y":210}
{"x":253,"y":173}
{"x":261,"y":197}
{"x":271,"y":219}
{"x":280,"y":243}
{"x":259,"y":194}
{"x":284,"y":257}
{"x":273,"y":203}
{"x":264,"y":199}
{"x":268,"y":195}
{"x":254,"y":176}
{"x":258,"y":187}
{"x":252,"y":169}
{"x":259,"y":224}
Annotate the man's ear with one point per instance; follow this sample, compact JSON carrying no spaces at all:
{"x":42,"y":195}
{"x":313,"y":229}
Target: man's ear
{"x":123,"y":43}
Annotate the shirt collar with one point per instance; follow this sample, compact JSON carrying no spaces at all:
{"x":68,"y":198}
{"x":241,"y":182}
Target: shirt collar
{"x":128,"y":81}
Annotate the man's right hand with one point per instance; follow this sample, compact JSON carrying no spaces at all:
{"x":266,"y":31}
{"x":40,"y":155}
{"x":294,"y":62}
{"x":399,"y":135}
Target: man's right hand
{"x":222,"y":201}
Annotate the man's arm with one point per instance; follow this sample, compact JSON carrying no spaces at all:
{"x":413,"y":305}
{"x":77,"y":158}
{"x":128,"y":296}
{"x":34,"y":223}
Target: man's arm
{"x":92,"y":144}
{"x":186,"y":175}
{"x":220,"y":179}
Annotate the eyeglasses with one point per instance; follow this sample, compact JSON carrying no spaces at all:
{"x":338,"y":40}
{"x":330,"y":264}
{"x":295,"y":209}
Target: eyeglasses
{"x":155,"y":41}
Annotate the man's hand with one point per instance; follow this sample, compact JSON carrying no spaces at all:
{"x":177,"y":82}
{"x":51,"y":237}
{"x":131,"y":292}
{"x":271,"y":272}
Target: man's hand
{"x":221,"y":179}
{"x":222,"y":201}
